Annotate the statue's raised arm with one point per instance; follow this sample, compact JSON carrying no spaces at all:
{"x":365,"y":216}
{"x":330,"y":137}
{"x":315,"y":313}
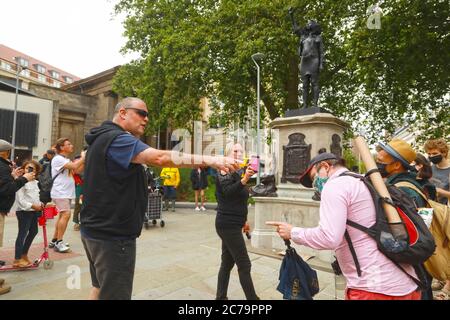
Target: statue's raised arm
{"x":295,"y":28}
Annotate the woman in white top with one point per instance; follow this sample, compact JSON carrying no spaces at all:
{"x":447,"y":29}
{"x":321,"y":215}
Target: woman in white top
{"x":28,"y":209}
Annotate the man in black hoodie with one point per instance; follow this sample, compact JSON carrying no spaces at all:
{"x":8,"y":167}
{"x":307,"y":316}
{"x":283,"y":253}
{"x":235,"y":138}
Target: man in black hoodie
{"x":115,"y":195}
{"x":10,"y":181}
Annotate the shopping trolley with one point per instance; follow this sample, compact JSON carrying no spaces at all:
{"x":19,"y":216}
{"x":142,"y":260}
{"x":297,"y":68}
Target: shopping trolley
{"x":154,"y":208}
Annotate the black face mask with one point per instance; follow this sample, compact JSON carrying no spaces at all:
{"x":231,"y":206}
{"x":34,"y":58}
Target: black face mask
{"x":382,"y":169}
{"x":436,"y":159}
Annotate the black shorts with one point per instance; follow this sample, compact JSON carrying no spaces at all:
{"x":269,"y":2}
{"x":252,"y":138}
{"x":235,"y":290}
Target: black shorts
{"x":111,"y":264}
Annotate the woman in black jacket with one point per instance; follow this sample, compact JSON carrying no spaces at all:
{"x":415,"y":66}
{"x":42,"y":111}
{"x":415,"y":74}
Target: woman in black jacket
{"x":10,"y":181}
{"x":199,"y":179}
{"x":232,"y":196}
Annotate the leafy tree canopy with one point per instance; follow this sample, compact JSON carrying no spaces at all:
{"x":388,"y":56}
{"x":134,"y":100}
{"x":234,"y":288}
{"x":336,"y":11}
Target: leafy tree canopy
{"x":379,"y":79}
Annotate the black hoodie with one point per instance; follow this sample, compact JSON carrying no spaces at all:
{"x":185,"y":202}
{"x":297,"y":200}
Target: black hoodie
{"x":112,"y":208}
{"x":8,"y":186}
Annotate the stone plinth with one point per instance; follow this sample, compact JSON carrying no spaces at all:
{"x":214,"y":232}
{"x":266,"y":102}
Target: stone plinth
{"x":301,"y":137}
{"x":318,"y":130}
{"x":296,"y":211}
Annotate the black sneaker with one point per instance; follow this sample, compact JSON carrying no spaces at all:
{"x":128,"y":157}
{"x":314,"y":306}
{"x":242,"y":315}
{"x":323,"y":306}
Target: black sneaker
{"x":52,"y":244}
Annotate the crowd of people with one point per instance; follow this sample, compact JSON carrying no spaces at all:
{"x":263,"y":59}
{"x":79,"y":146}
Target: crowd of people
{"x":345,"y":199}
{"x":102,"y":192}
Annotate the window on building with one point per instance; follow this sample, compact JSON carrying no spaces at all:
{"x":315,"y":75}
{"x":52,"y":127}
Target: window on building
{"x":68,"y":79}
{"x":54,"y":74}
{"x":5,"y":65}
{"x":57,"y":84}
{"x":27,"y":127}
{"x":40,"y":68}
{"x":25,"y":73}
{"x":42,"y":78}
{"x":21,"y":61}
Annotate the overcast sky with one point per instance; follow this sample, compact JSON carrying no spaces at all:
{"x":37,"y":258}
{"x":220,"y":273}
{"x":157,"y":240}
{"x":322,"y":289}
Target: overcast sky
{"x":78,"y":36}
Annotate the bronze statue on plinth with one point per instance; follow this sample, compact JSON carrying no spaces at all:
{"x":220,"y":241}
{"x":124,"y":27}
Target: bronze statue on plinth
{"x":310,"y":51}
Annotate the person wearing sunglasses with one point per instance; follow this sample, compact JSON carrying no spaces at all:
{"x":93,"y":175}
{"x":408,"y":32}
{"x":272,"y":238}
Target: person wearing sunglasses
{"x":115,"y":195}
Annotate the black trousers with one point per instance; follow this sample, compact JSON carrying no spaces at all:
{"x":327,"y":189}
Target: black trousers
{"x":76,"y":211}
{"x":28,"y":229}
{"x":427,"y":294}
{"x":234,"y":252}
{"x":111,"y":264}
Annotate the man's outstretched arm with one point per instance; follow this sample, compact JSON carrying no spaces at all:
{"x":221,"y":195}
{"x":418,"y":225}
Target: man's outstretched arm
{"x":175,"y":159}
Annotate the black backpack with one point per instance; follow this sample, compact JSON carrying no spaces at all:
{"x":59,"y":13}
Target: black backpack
{"x":419,"y":244}
{"x":45,"y":183}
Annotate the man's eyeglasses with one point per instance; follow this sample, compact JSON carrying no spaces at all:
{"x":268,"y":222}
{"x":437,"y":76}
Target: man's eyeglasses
{"x":140,"y":112}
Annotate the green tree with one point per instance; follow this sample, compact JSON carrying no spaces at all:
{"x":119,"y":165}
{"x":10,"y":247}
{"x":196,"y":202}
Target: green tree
{"x":379,"y":79}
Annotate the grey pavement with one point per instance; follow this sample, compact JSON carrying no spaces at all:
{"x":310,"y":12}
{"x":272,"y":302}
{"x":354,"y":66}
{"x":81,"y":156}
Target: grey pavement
{"x":177,"y":262}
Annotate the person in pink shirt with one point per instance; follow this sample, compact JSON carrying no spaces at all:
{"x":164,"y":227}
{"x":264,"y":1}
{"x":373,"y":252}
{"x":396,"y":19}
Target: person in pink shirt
{"x":342,"y":198}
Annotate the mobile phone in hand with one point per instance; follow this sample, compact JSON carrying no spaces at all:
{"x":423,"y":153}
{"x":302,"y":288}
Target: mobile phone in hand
{"x":254,"y":163}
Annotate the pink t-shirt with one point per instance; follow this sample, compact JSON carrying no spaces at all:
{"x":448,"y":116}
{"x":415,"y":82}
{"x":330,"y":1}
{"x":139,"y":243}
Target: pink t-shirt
{"x":348,"y":198}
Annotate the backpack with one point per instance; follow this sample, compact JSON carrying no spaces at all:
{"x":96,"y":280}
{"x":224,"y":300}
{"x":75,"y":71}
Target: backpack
{"x":414,"y":250}
{"x":438,"y":265}
{"x":45,"y":183}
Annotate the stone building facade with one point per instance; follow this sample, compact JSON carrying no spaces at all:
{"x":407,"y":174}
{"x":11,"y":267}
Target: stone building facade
{"x":79,"y":106}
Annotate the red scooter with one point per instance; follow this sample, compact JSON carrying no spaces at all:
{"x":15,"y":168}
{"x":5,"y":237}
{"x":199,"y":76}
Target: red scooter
{"x":48,"y":213}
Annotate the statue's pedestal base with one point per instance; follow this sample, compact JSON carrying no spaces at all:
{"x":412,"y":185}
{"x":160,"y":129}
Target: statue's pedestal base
{"x":298,"y":212}
{"x":290,"y":190}
{"x":304,"y":112}
{"x":294,"y":204}
{"x":318,"y":130}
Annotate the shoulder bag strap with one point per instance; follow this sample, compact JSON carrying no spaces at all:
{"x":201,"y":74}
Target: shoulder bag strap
{"x":353,"y":252}
{"x":412,"y":186}
{"x":59,"y":172}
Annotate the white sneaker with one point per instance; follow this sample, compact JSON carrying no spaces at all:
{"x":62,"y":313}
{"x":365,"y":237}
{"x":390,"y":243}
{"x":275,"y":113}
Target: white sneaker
{"x":203,"y":208}
{"x":52,"y":244}
{"x":197,"y":209}
{"x":61,"y":247}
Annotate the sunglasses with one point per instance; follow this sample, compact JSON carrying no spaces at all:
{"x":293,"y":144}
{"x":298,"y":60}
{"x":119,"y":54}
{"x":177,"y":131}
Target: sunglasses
{"x":140,"y":112}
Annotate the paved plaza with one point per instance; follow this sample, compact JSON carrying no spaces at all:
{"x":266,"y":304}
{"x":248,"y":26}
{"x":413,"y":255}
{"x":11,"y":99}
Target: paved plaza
{"x":177,"y":262}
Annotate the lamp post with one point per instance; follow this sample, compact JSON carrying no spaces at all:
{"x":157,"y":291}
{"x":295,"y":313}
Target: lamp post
{"x":13,"y":142}
{"x":258,"y":56}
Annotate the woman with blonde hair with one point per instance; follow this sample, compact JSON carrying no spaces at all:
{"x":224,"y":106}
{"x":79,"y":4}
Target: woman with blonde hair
{"x":231,"y":220}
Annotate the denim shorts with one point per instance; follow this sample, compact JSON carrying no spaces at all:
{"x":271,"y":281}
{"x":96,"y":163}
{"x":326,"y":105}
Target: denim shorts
{"x":111,"y":264}
{"x":170,"y":193}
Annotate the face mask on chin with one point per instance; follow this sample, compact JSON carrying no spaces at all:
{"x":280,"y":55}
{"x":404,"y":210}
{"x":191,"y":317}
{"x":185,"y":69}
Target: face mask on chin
{"x":436,"y":159}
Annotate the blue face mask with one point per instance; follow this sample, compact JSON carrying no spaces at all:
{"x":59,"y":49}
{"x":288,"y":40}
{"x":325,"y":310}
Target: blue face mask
{"x":319,"y":182}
